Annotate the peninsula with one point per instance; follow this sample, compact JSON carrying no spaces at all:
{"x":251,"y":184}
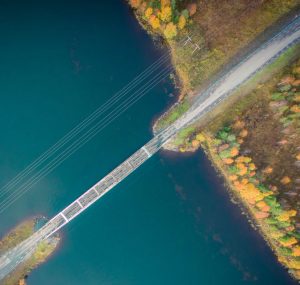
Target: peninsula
{"x":253,"y":137}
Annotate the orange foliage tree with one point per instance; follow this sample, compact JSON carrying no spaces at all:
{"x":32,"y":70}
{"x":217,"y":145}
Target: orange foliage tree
{"x":135,"y":3}
{"x":296,"y":250}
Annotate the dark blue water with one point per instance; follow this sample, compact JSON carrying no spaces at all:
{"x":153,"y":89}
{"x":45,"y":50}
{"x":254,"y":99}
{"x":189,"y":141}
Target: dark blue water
{"x":171,"y":222}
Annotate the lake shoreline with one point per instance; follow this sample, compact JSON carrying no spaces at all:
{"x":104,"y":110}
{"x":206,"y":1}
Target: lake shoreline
{"x":41,"y":255}
{"x":174,"y":146}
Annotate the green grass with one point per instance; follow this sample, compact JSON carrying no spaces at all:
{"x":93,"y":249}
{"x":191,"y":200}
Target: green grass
{"x":183,"y":135}
{"x":172,"y":115}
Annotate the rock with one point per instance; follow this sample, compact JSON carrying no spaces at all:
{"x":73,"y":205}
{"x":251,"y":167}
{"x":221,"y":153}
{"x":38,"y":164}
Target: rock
{"x":282,"y":142}
{"x":246,"y":151}
{"x":291,"y":193}
{"x":223,"y":147}
{"x":277,"y":104}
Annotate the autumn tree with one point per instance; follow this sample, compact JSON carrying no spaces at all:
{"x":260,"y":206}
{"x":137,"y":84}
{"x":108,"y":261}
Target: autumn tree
{"x":201,"y":138}
{"x":170,"y":31}
{"x":154,"y":22}
{"x":285,"y":180}
{"x":296,"y":251}
{"x":234,"y":151}
{"x":288,"y":241}
{"x":148,"y":12}
{"x":164,"y":3}
{"x":166,"y":14}
{"x":195,"y":143}
{"x":135,"y":3}
{"x":181,"y":22}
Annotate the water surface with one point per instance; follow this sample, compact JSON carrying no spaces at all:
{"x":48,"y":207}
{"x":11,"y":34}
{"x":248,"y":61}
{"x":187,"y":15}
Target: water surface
{"x":171,"y":222}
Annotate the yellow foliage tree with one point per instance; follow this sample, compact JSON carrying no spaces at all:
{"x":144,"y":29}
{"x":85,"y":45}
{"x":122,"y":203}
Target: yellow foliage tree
{"x":251,"y":194}
{"x":154,"y":22}
{"x":166,"y":14}
{"x":252,"y":166}
{"x":295,"y":264}
{"x":201,"y":138}
{"x":181,"y":22}
{"x":242,"y":158}
{"x":148,"y":12}
{"x":170,"y":31}
{"x":289,"y":242}
{"x":283,"y":217}
{"x":292,"y":213}
{"x":165,"y":3}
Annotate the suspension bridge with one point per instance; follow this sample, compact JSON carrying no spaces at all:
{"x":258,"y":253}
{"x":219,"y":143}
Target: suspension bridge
{"x":208,"y":99}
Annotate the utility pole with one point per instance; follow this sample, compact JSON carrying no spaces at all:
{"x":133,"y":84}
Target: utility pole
{"x":188,"y":40}
{"x":196,"y":48}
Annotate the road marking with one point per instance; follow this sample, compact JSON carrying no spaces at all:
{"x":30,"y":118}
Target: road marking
{"x":146,"y":151}
{"x":65,"y":218}
{"x":78,"y":202}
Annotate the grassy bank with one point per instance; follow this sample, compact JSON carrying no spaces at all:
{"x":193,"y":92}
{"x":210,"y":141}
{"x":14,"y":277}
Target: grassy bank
{"x":254,"y":143}
{"x":253,"y":137}
{"x":42,"y":252}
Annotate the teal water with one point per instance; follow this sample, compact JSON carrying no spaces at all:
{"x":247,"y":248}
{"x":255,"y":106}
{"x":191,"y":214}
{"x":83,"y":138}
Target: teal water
{"x":171,"y":222}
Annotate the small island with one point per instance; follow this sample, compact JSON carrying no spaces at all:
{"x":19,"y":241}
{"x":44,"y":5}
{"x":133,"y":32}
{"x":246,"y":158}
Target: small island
{"x":43,"y":251}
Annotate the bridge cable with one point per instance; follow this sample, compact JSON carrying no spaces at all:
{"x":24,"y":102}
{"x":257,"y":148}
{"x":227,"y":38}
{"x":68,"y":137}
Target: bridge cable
{"x":82,"y":140}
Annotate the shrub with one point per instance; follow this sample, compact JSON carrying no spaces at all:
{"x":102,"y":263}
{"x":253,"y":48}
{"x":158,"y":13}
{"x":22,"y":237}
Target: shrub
{"x":277,"y":96}
{"x":285,"y":251}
